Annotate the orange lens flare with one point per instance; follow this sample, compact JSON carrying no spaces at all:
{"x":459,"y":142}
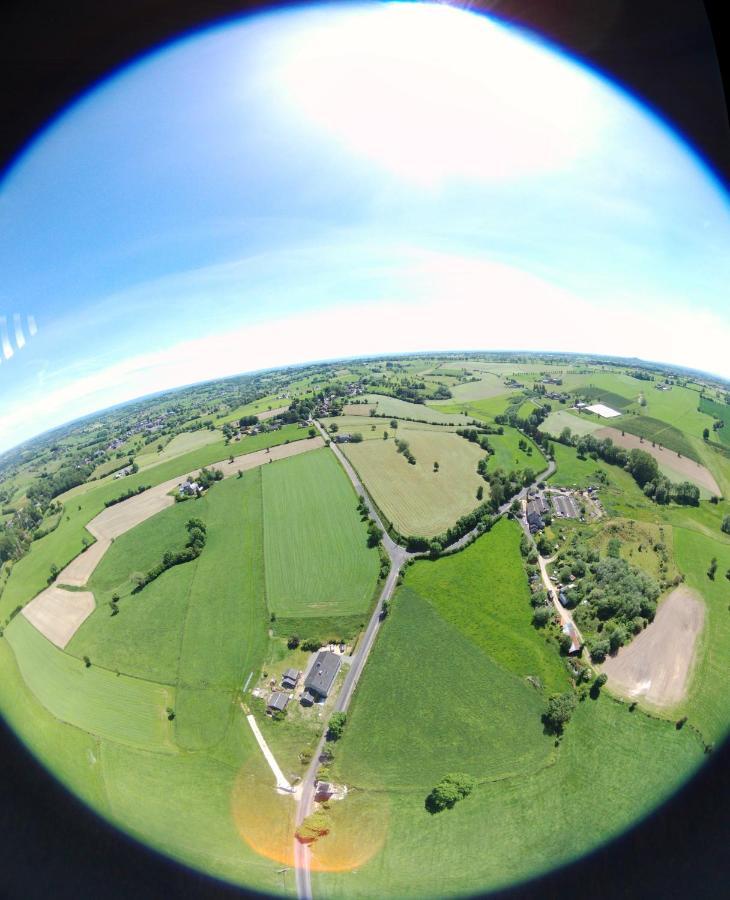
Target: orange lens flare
{"x":265,"y":820}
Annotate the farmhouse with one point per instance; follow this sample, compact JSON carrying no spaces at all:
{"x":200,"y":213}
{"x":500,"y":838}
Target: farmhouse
{"x":278,"y":701}
{"x":321,"y":677}
{"x":290,"y":679}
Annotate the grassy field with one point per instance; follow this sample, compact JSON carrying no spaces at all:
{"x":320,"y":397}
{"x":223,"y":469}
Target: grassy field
{"x":372,"y":428}
{"x":317,"y":560}
{"x":489,"y":386}
{"x":720,"y":412}
{"x":612,"y":767}
{"x":655,"y":430}
{"x":392,"y":406}
{"x":597,"y":395}
{"x":417,"y":500}
{"x":559,"y":419}
{"x":30,"y":574}
{"x":93,"y":699}
{"x":508,"y":456}
{"x":431,"y":701}
{"x":708,"y":703}
{"x":484,"y":410}
{"x":483,"y":592}
{"x":252,"y":409}
{"x":181,"y":444}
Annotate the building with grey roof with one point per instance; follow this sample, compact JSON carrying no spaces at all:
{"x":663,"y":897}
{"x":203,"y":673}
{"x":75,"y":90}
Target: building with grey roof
{"x":278,"y":700}
{"x":322,"y":674}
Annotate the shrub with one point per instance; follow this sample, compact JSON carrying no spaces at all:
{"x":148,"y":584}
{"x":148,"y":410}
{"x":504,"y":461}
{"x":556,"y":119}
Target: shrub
{"x":447,"y":793}
{"x":311,"y":645}
{"x":541,"y":616}
{"x":336,"y":726}
{"x":559,"y":710}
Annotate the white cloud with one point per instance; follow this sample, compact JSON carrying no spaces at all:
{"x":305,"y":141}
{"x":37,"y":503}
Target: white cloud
{"x":445,"y":302}
{"x":432,"y":92}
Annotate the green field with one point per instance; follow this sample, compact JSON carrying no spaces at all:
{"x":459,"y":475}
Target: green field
{"x":597,"y":395}
{"x":199,"y":626}
{"x":559,"y":419}
{"x":317,"y":560}
{"x":93,"y":699}
{"x":483,"y":592}
{"x":613,"y":767}
{"x":720,"y":412}
{"x":372,"y":427}
{"x":708,"y":704}
{"x":181,"y":444}
{"x":507,"y":454}
{"x":392,"y":406}
{"x":252,"y":409}
{"x":489,"y":386}
{"x":417,"y":500}
{"x":30,"y":574}
{"x":485,"y":410}
{"x":430,"y":701}
{"x":660,"y":432}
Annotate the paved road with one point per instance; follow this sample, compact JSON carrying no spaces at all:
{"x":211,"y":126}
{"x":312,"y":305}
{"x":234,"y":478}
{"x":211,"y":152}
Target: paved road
{"x":398,"y":556}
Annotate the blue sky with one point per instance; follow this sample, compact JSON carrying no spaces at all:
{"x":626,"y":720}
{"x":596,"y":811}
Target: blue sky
{"x":349,"y":179}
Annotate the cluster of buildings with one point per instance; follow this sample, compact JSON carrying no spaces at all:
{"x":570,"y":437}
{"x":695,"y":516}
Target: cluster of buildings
{"x":563,"y":504}
{"x":318,"y":682}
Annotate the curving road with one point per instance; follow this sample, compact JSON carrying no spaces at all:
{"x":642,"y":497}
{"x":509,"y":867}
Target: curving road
{"x":398,"y":556}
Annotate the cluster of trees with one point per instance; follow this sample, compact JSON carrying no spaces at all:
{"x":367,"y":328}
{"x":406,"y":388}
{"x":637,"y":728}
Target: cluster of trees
{"x":504,"y":485}
{"x":132,"y":492}
{"x":374,"y":532}
{"x":46,"y":487}
{"x":193,"y":548}
{"x":620,"y":599}
{"x":479,"y":518}
{"x":207,"y":477}
{"x":447,"y":793}
{"x":404,"y":448}
{"x":641,"y":465}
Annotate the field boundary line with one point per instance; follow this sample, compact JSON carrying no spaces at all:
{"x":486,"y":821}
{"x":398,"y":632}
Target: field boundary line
{"x":281,"y":782}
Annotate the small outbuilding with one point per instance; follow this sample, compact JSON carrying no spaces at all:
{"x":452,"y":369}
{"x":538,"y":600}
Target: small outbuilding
{"x":278,"y":701}
{"x":290,"y":679}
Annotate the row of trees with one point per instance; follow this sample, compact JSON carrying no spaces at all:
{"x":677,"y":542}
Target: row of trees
{"x":197,"y":537}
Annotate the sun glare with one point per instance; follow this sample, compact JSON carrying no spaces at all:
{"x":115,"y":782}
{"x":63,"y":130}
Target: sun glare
{"x":420,"y":90}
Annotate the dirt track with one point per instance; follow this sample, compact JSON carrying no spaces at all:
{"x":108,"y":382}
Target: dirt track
{"x":655,"y":666}
{"x":57,"y":613}
{"x":687,"y":468}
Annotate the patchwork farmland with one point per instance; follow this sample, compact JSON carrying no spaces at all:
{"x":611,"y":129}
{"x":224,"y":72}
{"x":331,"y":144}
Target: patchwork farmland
{"x":141,"y":705}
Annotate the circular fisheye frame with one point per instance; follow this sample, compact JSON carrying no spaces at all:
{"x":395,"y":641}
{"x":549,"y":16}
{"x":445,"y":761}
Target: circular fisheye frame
{"x":364,"y":454}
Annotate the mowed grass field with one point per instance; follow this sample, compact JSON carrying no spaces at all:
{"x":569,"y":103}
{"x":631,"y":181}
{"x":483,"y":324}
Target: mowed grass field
{"x":181,"y":444}
{"x":315,"y":545}
{"x":200,"y":626}
{"x":612,"y":767}
{"x":485,"y":410}
{"x":483,"y":592}
{"x":372,"y":427}
{"x":658,"y":431}
{"x":430,"y":702}
{"x":93,"y":699}
{"x":393,"y":406}
{"x":417,"y":500}
{"x":559,"y":419}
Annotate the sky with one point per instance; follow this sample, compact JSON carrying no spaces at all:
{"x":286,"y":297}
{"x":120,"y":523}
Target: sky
{"x":348,"y":180}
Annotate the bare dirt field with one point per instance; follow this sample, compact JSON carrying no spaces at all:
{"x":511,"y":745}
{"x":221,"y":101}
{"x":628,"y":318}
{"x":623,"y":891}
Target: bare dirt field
{"x":686,"y":468}
{"x":655,"y":666}
{"x":58,"y":614}
{"x":270,"y":413}
{"x":357,"y":409}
